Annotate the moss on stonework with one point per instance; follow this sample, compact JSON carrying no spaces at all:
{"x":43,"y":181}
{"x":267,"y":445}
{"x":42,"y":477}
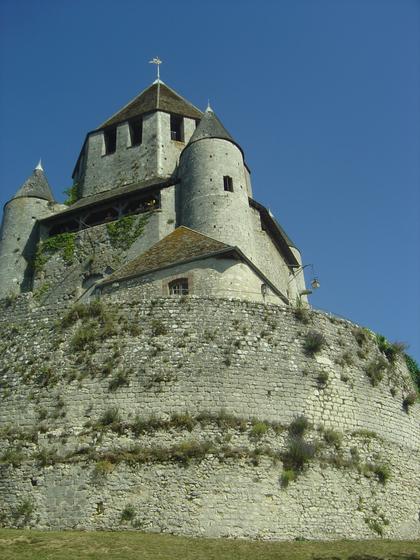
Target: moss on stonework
{"x":126,"y":230}
{"x":63,"y":243}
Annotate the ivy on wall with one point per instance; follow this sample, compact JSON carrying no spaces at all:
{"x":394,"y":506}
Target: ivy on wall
{"x":126,"y":230}
{"x":62,"y":243}
{"x":73,"y":194}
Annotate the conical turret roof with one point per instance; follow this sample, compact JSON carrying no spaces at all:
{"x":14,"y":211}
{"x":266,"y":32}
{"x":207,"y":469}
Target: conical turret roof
{"x":36,"y":186}
{"x":156,"y":97}
{"x":210,"y":127}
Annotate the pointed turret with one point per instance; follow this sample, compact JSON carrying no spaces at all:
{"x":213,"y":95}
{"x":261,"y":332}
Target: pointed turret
{"x":214,"y":185}
{"x":210,"y":127}
{"x":20,"y":232}
{"x":36,"y":186}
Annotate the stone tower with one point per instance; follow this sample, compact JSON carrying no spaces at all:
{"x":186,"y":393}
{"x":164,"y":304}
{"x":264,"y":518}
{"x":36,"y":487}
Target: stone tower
{"x":20,"y":232}
{"x":215,"y":187}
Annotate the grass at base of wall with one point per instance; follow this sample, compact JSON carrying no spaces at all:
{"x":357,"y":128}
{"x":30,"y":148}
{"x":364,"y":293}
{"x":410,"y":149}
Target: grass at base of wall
{"x":133,"y":545}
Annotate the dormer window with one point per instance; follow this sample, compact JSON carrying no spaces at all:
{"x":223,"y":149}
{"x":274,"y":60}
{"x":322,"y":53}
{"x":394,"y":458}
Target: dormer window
{"x":177,"y":128}
{"x":228,"y":183}
{"x":110,"y":139}
{"x":136,"y":131}
{"x":178,"y":287}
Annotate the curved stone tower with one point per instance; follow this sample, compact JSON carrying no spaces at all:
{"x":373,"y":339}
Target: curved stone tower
{"x":19,"y":232}
{"x":214,"y":186}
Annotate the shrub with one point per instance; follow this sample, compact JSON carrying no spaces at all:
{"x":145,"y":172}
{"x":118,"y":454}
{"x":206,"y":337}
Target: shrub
{"x":375,"y":370}
{"x":298,"y":453}
{"x":390,"y":350}
{"x":128,"y":513}
{"x":24,"y":510}
{"x":184,"y":420}
{"x":361,"y":335}
{"x":84,"y":337}
{"x":104,"y":467}
{"x":333,"y":437}
{"x":191,"y":449}
{"x":314,"y":341}
{"x":158,"y":328}
{"x":299,"y":426}
{"x":12,"y":457}
{"x":414,"y":370}
{"x":409,"y":400}
{"x":382,"y":472}
{"x":287,"y":476}
{"x":301,"y":314}
{"x":46,"y":457}
{"x":120,"y":379}
{"x":322,"y":378}
{"x":109,"y":417}
{"x":258,"y":429}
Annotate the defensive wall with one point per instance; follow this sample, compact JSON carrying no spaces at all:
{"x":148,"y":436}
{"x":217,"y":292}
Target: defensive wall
{"x":203,"y":416}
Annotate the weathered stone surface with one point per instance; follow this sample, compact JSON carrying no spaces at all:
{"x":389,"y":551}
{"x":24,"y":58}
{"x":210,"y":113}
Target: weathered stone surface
{"x":190,"y":369}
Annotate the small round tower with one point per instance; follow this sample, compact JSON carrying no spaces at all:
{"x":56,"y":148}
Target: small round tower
{"x":20,"y":232}
{"x":213,"y":186}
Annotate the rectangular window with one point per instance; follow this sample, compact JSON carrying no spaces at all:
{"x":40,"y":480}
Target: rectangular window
{"x":228,"y":183}
{"x":110,"y":138}
{"x":178,"y":287}
{"x":177,"y":128}
{"x":136,"y":131}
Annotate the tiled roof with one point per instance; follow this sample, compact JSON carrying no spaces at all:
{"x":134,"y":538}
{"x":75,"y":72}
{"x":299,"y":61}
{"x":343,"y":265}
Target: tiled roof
{"x":158,"y":96}
{"x":183,"y":244}
{"x":210,"y":127}
{"x":36,"y":186}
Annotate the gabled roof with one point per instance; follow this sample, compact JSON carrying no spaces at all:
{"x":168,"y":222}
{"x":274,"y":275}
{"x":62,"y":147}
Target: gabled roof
{"x":158,"y":96}
{"x":36,"y":186}
{"x":181,"y":245}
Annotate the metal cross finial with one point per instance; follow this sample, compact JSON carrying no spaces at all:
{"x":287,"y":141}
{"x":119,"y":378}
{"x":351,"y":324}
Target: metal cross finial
{"x":156,"y":60}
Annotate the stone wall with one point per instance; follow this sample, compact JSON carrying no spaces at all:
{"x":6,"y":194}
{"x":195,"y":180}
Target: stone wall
{"x":180,"y":415}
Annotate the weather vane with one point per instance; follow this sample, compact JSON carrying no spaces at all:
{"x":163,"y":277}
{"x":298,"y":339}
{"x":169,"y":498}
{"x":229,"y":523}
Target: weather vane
{"x":156,"y":61}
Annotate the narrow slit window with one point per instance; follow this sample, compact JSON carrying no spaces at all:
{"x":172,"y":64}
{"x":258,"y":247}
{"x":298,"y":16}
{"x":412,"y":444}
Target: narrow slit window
{"x":178,"y":287}
{"x":177,"y":132}
{"x":110,"y":137}
{"x":228,"y":183}
{"x":136,"y":131}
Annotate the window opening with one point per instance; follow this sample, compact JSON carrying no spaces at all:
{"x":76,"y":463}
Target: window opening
{"x":177,"y":128}
{"x":110,"y":137}
{"x":178,"y":287}
{"x":228,"y":183}
{"x":136,"y":131}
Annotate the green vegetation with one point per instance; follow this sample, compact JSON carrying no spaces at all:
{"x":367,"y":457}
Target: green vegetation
{"x":123,"y":232}
{"x":332,"y":437}
{"x":361,"y":335}
{"x":390,"y":350}
{"x":133,"y":545}
{"x":314,"y":342}
{"x":287,"y":476}
{"x":322,"y":378}
{"x":414,"y":370}
{"x":158,"y":328}
{"x":102,"y":468}
{"x":409,"y":400}
{"x":73,"y":194}
{"x":299,"y":426}
{"x":62,"y":243}
{"x":23,"y":512}
{"x":128,"y":513}
{"x":375,"y":370}
{"x":258,"y":429}
{"x":119,"y":380}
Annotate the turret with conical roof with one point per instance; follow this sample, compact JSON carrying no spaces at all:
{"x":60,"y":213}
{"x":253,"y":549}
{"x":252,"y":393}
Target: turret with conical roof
{"x":140,"y":142}
{"x":214,"y":185}
{"x":19,"y":232}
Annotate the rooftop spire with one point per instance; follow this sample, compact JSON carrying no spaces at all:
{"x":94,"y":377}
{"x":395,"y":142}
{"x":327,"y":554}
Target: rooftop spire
{"x":39,"y":166}
{"x":156,"y":60}
{"x":209,"y":109}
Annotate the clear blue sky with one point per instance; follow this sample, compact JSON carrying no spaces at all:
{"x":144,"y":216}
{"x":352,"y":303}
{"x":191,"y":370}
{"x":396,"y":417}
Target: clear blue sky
{"x":323,"y":95}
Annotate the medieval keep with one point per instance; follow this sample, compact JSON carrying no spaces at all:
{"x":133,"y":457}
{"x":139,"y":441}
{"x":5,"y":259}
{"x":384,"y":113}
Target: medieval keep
{"x":160,"y":368}
{"x":162,"y":200}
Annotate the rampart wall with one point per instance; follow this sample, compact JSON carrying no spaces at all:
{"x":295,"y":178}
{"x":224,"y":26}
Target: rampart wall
{"x":188,"y":415}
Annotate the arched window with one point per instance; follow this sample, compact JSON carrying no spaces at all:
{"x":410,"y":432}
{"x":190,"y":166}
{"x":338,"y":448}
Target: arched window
{"x":178,"y":287}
